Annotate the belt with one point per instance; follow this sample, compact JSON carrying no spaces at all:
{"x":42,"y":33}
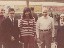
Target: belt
{"x":46,"y":30}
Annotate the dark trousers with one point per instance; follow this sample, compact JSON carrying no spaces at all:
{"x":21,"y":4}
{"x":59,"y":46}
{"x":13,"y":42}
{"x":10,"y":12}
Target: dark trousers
{"x":46,"y":38}
{"x":28,"y":41}
{"x":11,"y":44}
{"x":36,"y":45}
{"x":0,"y":44}
{"x":60,"y":45}
{"x":6,"y":44}
{"x":60,"y":38}
{"x":15,"y":44}
{"x":60,"y":42}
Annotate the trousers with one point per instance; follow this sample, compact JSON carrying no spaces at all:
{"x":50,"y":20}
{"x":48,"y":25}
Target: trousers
{"x":28,"y":41}
{"x":46,"y":38}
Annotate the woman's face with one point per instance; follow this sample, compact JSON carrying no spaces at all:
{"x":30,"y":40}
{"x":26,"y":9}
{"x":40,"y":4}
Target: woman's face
{"x":27,"y":13}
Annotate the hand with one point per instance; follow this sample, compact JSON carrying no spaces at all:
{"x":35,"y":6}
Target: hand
{"x":53,"y":39}
{"x":12,"y":38}
{"x":39,"y":42}
{"x":35,"y":37}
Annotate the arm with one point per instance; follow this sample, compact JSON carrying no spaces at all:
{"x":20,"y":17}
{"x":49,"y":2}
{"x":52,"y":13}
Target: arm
{"x":37,"y":28}
{"x":53,"y":29}
{"x":34,"y":27}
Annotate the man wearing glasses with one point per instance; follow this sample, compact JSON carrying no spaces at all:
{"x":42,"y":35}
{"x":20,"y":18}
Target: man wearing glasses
{"x":10,"y":30}
{"x":45,"y":29}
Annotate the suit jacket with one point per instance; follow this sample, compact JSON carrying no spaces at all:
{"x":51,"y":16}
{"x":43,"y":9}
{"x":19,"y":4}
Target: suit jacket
{"x":1,"y":20}
{"x":8,"y":30}
{"x":35,"y":16}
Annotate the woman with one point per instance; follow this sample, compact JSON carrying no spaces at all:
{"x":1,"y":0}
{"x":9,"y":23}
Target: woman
{"x":60,"y":32}
{"x":27,"y":28}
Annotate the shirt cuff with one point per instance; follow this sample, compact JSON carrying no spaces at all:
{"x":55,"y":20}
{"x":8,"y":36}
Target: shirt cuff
{"x":37,"y":35}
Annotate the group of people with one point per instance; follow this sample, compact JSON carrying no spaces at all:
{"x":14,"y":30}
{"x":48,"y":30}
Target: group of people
{"x":11,"y":34}
{"x":30,"y":31}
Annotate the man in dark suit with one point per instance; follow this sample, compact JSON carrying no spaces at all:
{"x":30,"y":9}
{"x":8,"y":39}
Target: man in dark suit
{"x":10,"y":30}
{"x":1,"y":20}
{"x":36,"y":18}
{"x":34,"y":14}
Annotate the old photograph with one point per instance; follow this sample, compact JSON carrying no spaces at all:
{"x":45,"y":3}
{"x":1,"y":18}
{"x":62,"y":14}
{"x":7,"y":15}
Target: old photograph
{"x":31,"y":23}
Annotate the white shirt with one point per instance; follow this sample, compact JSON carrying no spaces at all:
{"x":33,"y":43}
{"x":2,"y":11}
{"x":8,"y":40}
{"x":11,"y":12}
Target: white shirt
{"x":11,"y":18}
{"x":45,"y":23}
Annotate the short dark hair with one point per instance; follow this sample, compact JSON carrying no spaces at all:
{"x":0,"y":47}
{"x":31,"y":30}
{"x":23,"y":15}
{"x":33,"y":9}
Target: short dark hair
{"x":11,"y":9}
{"x":32,"y":8}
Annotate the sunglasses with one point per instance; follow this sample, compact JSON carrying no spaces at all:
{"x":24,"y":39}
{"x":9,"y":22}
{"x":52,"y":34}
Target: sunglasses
{"x":44,"y":12}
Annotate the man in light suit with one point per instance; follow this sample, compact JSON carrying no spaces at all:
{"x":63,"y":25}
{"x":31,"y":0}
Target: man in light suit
{"x":45,"y":29}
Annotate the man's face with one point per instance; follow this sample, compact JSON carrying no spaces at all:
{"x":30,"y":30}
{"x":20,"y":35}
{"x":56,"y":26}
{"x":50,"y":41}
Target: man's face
{"x":2,"y":11}
{"x":45,"y":13}
{"x":12,"y":13}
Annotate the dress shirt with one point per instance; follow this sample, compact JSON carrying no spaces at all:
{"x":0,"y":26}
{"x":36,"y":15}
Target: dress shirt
{"x":12,"y":19}
{"x":44,"y":23}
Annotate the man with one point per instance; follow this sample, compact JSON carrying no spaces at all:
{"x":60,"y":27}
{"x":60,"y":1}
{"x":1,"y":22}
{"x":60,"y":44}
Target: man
{"x":36,"y":18}
{"x":45,"y":29}
{"x":10,"y":30}
{"x":34,"y":14}
{"x":1,"y":20}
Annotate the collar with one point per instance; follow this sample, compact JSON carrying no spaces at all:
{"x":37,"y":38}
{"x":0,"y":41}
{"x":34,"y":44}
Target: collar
{"x":45,"y":17}
{"x":11,"y":18}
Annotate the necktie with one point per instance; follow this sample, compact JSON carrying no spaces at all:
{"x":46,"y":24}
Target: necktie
{"x":12,"y":21}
